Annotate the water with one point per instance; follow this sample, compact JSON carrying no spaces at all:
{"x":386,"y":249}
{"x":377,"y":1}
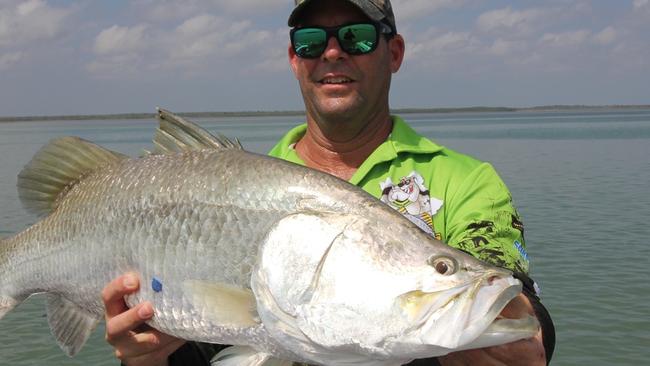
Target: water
{"x":581,"y":181}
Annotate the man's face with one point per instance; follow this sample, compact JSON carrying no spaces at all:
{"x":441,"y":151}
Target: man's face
{"x":338,"y":86}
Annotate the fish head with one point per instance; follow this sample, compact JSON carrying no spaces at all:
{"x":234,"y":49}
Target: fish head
{"x":446,"y":300}
{"x":373,"y":288}
{"x":463,"y":313}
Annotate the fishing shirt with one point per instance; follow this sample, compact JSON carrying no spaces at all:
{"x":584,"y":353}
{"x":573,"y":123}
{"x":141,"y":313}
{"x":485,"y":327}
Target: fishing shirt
{"x":451,"y":196}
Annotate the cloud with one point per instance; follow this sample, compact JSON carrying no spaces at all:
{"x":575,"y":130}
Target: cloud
{"x":273,"y":59}
{"x":511,"y":21}
{"x":9,"y":59}
{"x":451,"y":42}
{"x":208,"y":35}
{"x":199,"y":44}
{"x":565,"y":39}
{"x":508,"y":41}
{"x":122,"y":50}
{"x":162,"y":10}
{"x":23,"y":22}
{"x":435,"y":49}
{"x":502,"y":47}
{"x":120,"y":40}
{"x":410,"y":9}
{"x":606,"y":36}
{"x":247,"y":6}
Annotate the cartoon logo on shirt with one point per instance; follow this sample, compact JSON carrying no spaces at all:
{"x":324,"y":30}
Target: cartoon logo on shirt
{"x":411,"y":197}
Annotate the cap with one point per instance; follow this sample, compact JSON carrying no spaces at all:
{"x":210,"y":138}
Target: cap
{"x":377,"y":10}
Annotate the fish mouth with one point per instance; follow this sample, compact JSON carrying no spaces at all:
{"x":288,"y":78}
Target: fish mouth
{"x":485,"y":303}
{"x":420,"y":304}
{"x":467,"y":315}
{"x":503,"y":330}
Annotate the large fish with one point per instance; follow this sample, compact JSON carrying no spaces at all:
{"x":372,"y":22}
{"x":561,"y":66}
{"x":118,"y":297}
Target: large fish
{"x":236,"y":248}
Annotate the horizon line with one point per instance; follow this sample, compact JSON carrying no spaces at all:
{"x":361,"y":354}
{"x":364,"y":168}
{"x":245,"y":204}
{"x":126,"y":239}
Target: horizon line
{"x":476,"y":109}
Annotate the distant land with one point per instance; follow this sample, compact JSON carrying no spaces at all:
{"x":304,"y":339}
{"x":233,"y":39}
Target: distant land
{"x":544,"y":108}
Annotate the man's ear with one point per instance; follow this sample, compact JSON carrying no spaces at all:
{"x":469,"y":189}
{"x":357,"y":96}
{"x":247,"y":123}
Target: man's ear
{"x":293,"y":59}
{"x":396,"y":48}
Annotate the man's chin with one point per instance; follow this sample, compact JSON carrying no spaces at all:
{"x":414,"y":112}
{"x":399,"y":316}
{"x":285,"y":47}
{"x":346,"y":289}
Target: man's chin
{"x":338,"y":110}
{"x":337,"y":103}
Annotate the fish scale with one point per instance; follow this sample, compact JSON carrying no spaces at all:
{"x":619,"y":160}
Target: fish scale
{"x":238,"y":248}
{"x":156,"y":248}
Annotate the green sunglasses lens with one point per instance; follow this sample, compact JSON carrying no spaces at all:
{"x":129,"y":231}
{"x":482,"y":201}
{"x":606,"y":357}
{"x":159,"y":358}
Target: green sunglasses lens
{"x":358,"y":39}
{"x":309,"y":42}
{"x":355,"y":39}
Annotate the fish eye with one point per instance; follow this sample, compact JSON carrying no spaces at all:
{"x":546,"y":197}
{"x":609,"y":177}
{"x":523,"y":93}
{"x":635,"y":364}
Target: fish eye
{"x":444,"y":265}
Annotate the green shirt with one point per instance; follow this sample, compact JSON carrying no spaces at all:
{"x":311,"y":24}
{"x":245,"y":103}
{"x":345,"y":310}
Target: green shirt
{"x":454,"y":197}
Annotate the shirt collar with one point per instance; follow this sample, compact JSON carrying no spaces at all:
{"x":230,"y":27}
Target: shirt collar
{"x":402,"y":139}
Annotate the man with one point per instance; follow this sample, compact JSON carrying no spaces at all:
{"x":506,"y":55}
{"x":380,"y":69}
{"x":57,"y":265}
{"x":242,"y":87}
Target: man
{"x":343,"y":53}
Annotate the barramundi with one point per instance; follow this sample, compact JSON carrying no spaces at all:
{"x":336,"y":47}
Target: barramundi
{"x":286,"y":263}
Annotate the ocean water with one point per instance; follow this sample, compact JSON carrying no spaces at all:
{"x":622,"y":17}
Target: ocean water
{"x":580,"y":180}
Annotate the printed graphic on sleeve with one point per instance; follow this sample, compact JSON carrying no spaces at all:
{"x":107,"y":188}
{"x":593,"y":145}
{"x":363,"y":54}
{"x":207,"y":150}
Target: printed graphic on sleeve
{"x":411,"y":197}
{"x":496,"y":241}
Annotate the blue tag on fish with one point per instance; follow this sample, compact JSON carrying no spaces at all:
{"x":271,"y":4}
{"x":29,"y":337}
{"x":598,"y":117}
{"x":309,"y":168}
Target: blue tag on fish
{"x":156,"y":285}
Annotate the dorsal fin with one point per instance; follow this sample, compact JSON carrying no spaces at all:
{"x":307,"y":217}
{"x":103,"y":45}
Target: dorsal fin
{"x":176,"y":134}
{"x":56,"y":167}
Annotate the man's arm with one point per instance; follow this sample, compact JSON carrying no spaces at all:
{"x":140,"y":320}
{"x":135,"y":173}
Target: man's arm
{"x":482,"y":221}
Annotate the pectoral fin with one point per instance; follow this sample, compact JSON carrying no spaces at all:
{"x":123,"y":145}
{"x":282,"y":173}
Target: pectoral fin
{"x":245,"y":356}
{"x":70,"y":325}
{"x":225,"y":304}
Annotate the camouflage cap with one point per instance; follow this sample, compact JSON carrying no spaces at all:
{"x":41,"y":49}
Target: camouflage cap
{"x":377,"y":10}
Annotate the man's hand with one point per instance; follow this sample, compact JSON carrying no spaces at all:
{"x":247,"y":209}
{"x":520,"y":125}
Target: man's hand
{"x":526,"y":352}
{"x":135,"y":343}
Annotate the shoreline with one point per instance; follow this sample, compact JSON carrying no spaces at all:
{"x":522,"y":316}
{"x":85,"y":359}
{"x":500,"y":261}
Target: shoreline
{"x":120,"y":116}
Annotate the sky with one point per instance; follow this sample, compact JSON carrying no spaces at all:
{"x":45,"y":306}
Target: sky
{"x":60,"y":57}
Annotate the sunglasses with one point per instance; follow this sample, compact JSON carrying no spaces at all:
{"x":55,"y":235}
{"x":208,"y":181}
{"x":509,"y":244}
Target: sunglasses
{"x":354,"y":39}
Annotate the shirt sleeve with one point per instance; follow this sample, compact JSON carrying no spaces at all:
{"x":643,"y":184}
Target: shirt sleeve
{"x":194,"y":353}
{"x":481,"y":220}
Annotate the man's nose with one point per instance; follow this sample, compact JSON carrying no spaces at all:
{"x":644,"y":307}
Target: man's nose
{"x":333,"y":51}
